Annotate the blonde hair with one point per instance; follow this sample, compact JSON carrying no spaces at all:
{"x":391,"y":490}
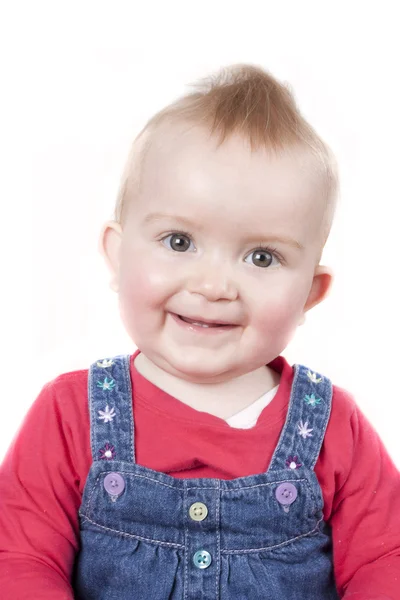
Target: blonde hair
{"x":241,"y":99}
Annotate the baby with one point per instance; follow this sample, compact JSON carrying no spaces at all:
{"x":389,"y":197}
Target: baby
{"x":204,"y":466}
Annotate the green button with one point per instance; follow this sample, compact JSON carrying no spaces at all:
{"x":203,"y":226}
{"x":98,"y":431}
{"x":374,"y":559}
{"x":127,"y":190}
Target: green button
{"x":202,"y":559}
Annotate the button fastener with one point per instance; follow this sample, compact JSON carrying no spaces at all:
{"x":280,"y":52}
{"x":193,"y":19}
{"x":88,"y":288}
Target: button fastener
{"x":202,"y":559}
{"x":286,"y":494}
{"x":114,"y":484}
{"x":198,"y":511}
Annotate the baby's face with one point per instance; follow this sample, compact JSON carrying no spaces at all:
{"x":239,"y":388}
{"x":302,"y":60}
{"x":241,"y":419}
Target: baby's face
{"x":201,"y":242}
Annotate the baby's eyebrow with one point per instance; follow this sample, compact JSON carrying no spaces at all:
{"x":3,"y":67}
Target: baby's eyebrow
{"x":153,"y":217}
{"x":264,"y":238}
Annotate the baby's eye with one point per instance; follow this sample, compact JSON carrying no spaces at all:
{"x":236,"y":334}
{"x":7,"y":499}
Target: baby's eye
{"x":262,"y":257}
{"x":177,"y":241}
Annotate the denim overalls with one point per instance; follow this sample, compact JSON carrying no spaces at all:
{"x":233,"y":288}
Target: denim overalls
{"x":148,"y":536}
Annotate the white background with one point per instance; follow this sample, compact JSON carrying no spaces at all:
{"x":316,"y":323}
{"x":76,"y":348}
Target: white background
{"x":79,"y":80}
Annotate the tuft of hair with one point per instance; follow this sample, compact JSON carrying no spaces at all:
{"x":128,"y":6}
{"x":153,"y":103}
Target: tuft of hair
{"x":244,"y":99}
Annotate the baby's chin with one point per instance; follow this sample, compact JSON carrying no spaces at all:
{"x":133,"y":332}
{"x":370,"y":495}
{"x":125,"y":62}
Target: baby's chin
{"x":196,"y":367}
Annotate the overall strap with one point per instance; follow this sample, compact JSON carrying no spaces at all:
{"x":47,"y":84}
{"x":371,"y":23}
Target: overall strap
{"x":110,"y":409}
{"x":308,"y":415}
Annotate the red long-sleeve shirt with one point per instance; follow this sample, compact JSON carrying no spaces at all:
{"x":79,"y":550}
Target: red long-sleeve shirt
{"x":44,"y":472}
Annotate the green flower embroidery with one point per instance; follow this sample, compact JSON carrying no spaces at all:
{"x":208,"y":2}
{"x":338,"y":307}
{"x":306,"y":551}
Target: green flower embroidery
{"x":313,"y":377}
{"x":312,"y":400}
{"x":106,"y":362}
{"x":106,"y":385}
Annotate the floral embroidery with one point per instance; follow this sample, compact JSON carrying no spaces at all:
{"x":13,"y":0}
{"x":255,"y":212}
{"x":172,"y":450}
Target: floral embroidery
{"x":303,"y":431}
{"x":105,"y":363}
{"x":292,"y":462}
{"x":106,"y":385}
{"x":312,"y":400}
{"x":107,"y":452}
{"x":107,"y":415}
{"x":313,"y":377}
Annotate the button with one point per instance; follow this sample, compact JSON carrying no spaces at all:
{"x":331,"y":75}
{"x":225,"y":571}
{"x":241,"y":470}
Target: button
{"x":198,"y":511}
{"x":114,"y":484}
{"x":202,"y":559}
{"x":286,"y":493}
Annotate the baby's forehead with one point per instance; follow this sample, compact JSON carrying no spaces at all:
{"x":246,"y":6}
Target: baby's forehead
{"x":187,"y":161}
{"x":188,"y":143}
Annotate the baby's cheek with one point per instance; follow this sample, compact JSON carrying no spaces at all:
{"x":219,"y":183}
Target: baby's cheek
{"x":143,"y":286}
{"x":279,"y":318}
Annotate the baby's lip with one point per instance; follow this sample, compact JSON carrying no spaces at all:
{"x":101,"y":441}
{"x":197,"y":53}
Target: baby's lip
{"x":206,"y":321}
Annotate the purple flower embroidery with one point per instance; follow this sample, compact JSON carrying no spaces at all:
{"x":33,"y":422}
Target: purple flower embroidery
{"x":292,"y":462}
{"x":107,"y":452}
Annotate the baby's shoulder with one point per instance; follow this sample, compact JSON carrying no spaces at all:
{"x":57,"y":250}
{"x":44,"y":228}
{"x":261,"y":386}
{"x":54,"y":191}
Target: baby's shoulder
{"x":343,"y":401}
{"x":70,"y":378}
{"x":343,"y":421}
{"x":67,"y":393}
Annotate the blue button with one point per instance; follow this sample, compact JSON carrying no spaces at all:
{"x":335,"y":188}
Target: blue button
{"x":202,"y":559}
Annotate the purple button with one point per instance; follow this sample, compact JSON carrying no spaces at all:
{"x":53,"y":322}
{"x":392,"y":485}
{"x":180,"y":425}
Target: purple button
{"x":286,"y":493}
{"x":114,"y":484}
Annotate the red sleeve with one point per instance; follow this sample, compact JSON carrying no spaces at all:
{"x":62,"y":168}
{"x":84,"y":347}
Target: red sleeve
{"x":366,"y":517}
{"x":39,"y":502}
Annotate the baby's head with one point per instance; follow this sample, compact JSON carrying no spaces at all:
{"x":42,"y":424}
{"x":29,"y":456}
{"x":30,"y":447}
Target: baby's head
{"x":225,"y":206}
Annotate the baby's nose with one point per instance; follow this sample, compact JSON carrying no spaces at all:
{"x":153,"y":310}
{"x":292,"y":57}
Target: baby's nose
{"x":213,"y":282}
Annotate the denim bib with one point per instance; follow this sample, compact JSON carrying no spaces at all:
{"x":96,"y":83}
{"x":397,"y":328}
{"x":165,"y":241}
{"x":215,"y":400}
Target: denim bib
{"x":148,"y":536}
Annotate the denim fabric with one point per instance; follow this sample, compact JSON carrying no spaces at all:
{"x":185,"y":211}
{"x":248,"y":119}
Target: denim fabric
{"x":263,"y":536}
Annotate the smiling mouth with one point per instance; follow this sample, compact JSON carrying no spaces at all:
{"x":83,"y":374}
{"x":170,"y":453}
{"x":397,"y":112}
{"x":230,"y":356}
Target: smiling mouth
{"x":204,"y":324}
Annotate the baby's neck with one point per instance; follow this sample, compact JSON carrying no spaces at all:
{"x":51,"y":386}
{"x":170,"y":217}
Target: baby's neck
{"x":219,"y":399}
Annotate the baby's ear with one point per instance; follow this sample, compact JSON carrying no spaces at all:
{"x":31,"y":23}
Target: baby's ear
{"x":109,"y":247}
{"x":320,"y":287}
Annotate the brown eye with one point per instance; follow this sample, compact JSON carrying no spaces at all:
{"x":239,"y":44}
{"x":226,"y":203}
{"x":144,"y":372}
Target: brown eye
{"x":177,"y":242}
{"x":262,"y":257}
